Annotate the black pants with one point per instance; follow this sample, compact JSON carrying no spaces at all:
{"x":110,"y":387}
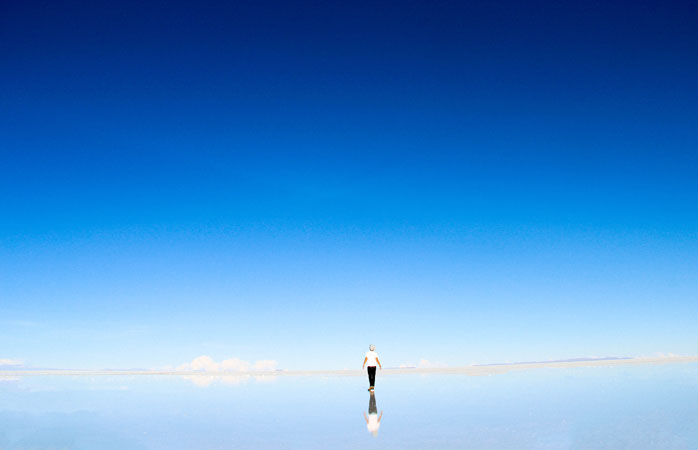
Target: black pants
{"x":371,"y":375}
{"x":372,"y":404}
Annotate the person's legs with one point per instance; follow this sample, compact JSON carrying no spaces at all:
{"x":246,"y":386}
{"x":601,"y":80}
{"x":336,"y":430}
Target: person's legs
{"x":372,"y":375}
{"x":372,"y":404}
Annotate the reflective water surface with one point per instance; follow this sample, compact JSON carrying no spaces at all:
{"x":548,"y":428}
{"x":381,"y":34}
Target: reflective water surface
{"x":640,"y":407}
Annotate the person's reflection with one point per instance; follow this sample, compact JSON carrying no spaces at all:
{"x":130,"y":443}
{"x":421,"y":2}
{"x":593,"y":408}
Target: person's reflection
{"x":373,"y":420}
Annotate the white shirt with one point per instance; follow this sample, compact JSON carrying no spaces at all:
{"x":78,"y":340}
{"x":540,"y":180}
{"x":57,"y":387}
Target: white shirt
{"x":373,"y":423}
{"x":371,"y":359}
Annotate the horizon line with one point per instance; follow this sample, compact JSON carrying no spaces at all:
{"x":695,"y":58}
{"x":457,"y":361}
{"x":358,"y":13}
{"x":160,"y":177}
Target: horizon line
{"x":473,"y":370}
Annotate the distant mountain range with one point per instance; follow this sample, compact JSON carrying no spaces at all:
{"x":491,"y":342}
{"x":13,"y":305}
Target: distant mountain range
{"x":607,"y":358}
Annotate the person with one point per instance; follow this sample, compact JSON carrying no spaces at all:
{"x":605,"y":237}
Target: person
{"x":371,"y":359}
{"x":373,"y":420}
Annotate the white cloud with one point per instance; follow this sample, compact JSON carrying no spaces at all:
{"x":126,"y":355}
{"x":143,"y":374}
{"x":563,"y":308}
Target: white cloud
{"x":265,"y":364}
{"x":425,"y":364}
{"x":265,"y":378}
{"x":10,"y":362}
{"x":235,"y":364}
{"x":207,"y":364}
{"x":202,"y":363}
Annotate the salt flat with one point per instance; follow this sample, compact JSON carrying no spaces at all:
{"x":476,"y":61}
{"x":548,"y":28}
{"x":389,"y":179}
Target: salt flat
{"x":474,"y":370}
{"x":640,"y":404}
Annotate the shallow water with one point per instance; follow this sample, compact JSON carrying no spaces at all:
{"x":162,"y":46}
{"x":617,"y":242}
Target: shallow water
{"x":631,"y":407}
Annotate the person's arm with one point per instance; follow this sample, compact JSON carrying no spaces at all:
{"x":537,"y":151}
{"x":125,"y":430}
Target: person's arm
{"x":379,"y":417}
{"x":366,"y":418}
{"x":378,"y":361}
{"x":364,"y":364}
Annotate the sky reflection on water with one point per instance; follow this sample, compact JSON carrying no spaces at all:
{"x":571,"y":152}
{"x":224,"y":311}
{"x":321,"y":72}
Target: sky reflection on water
{"x":648,"y":407}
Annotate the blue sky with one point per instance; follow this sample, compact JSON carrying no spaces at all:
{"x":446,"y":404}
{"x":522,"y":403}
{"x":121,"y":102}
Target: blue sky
{"x":457,"y":182}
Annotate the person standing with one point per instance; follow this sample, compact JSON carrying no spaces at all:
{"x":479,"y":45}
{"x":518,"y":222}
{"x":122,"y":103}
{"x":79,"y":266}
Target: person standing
{"x":372,"y":360}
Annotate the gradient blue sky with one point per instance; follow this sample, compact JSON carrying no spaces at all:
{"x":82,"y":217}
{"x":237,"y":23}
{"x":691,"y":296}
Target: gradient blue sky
{"x":455,"y":181}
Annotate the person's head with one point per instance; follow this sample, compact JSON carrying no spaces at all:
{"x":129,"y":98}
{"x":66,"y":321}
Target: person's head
{"x":372,"y":347}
